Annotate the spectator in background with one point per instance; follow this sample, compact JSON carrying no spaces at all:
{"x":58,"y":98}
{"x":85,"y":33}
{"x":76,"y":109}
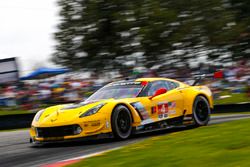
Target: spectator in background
{"x":70,"y":89}
{"x":45,"y":94}
{"x":23,"y":98}
{"x":71,"y":94}
{"x":9,"y":95}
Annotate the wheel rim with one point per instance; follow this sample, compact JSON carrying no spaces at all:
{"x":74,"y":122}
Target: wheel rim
{"x":123,"y":122}
{"x":202,"y":111}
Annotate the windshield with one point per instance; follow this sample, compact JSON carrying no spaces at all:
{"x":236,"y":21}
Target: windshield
{"x":116,"y":92}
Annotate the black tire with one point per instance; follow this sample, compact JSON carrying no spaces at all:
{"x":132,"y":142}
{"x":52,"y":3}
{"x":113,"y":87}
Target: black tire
{"x":121,"y":122}
{"x":201,"y":111}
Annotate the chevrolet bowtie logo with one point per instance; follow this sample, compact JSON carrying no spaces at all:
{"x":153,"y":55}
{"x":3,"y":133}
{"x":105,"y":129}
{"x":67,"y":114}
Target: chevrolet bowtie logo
{"x":53,"y":120}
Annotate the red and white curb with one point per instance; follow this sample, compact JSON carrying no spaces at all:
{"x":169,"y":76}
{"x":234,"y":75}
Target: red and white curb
{"x":77,"y":159}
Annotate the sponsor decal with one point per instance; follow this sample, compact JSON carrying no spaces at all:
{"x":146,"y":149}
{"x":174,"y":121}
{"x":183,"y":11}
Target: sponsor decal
{"x":140,"y":127}
{"x":148,"y":121}
{"x":172,"y":104}
{"x":162,"y":110}
{"x":143,"y":113}
{"x":165,"y":109}
{"x":96,"y":124}
{"x":125,"y":83}
{"x":171,"y":112}
{"x":92,"y":123}
{"x":171,"y":108}
{"x":141,"y":110}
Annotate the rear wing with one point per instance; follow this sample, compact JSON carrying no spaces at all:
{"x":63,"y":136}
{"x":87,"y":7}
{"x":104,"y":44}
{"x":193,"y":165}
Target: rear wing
{"x":198,"y":78}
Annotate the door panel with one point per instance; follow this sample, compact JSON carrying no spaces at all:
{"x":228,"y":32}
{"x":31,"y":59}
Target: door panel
{"x":161,"y":107}
{"x":168,"y":105}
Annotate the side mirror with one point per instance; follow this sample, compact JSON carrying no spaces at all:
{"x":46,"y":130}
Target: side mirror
{"x":158,"y":92}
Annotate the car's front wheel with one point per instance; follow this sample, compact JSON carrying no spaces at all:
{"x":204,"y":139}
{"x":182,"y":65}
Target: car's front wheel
{"x":201,"y":111}
{"x":121,"y":122}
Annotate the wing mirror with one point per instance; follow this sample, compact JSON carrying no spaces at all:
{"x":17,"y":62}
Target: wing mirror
{"x":158,"y":92}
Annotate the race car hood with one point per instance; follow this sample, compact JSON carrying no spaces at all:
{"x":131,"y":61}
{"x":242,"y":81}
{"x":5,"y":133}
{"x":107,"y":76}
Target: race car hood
{"x":65,"y":113}
{"x":69,"y":113}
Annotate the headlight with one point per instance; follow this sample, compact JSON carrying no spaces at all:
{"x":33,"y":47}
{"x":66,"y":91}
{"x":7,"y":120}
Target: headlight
{"x":92,"y":110}
{"x":38,"y":115}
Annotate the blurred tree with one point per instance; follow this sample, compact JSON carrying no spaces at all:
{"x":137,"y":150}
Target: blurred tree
{"x":240,"y":47}
{"x":106,"y":34}
{"x":67,"y":48}
{"x":93,"y":33}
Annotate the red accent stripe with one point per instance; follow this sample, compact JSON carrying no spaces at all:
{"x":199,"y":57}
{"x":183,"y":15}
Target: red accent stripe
{"x":62,"y":163}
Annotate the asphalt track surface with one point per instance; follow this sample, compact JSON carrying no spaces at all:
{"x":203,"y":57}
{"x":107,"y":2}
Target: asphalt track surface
{"x":15,"y":149}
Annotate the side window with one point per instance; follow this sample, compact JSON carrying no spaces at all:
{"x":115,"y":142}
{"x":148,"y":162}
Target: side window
{"x":155,"y":86}
{"x":172,"y":85}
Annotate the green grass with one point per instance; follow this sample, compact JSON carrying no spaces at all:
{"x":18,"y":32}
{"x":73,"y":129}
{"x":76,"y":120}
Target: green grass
{"x":235,"y":98}
{"x":13,"y":112}
{"x":230,"y":113}
{"x":11,"y":130}
{"x":226,"y":144}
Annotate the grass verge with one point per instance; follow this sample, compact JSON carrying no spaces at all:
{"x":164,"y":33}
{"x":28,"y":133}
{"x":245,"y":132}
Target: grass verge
{"x":12,"y":130}
{"x":226,"y":144}
{"x":230,"y":113}
{"x":14,"y":112}
{"x":233,"y":99}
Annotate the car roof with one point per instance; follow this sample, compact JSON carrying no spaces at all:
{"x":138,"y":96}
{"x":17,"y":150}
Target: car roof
{"x":140,"y":80}
{"x":154,"y":79}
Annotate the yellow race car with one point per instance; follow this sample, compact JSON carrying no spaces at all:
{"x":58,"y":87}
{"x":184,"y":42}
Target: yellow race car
{"x":123,"y":108}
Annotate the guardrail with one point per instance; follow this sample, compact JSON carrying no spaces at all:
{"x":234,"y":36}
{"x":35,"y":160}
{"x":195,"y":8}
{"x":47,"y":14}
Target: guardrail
{"x":24,"y":120}
{"x":232,"y":108}
{"x":16,"y":121}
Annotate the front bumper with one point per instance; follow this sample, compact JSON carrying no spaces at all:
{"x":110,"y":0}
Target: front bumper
{"x":69,"y":131}
{"x":58,"y":131}
{"x":34,"y":140}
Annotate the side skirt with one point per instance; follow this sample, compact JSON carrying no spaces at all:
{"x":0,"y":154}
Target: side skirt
{"x":181,"y":121}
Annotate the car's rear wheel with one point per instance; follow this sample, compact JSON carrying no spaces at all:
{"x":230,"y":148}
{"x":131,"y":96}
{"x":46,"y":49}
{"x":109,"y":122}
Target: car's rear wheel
{"x":201,"y":111}
{"x":121,"y":122}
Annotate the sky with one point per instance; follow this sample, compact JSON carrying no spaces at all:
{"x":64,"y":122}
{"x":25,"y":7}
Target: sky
{"x":26,"y":32}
